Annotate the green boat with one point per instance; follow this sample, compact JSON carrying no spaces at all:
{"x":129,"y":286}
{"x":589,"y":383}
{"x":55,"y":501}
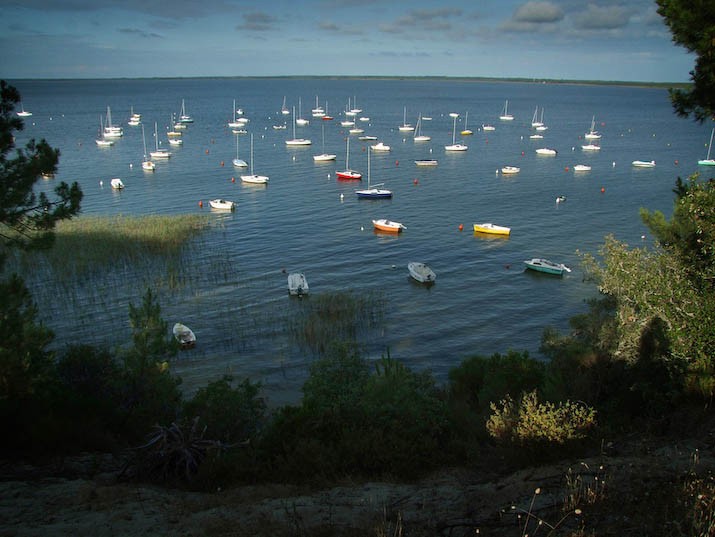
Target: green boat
{"x":544,"y":265}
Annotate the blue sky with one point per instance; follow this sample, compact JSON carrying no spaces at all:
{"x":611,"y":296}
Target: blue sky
{"x":558,"y":39}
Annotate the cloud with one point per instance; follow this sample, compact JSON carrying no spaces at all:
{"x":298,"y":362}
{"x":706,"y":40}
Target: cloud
{"x":257,"y":21}
{"x":538,"y":13}
{"x":602,"y":18}
{"x":423,"y":20}
{"x":140,"y":33}
{"x":337,"y":29}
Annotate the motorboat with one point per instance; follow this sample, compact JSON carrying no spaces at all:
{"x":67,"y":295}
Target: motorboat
{"x":297,"y":284}
{"x":510,"y":170}
{"x":184,"y":336}
{"x":421,"y":272}
{"x":388,"y":225}
{"x":544,"y":265}
{"x":493,"y":229}
{"x":221,"y":204}
{"x":644,"y":163}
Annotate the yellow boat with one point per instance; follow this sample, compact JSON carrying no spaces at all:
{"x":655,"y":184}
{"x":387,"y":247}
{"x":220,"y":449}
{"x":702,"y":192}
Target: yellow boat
{"x":492,"y":228}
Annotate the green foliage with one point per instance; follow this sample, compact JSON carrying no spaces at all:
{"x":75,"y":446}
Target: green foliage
{"x":478,"y":381}
{"x":27,"y":218}
{"x":533,"y":423}
{"x":692,"y":25}
{"x":25,"y":364}
{"x":229,"y":414}
{"x":150,"y":393}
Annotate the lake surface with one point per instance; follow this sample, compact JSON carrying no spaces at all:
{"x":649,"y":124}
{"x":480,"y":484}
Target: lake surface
{"x":235,"y":297}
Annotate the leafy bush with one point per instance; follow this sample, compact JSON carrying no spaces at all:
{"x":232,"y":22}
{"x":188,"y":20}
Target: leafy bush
{"x":531,"y":422}
{"x":229,"y":414}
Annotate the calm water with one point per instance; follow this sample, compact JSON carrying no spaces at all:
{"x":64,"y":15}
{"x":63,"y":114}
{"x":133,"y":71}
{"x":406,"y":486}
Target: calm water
{"x":305,"y":220}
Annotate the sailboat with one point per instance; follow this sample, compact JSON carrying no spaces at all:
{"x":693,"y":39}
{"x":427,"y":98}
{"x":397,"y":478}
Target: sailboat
{"x":505,"y":115}
{"x":101,"y":140}
{"x":284,"y":108}
{"x":708,"y":161}
{"x":234,"y":124}
{"x":158,"y":153}
{"x":239,"y":163}
{"x":592,"y":134}
{"x":347,"y":174}
{"x":535,"y":118}
{"x":253,"y":178}
{"x":455,"y":146}
{"x":301,"y":121}
{"x":318,"y":110}
{"x":184,"y":117}
{"x":110,"y":131}
{"x":23,"y":112}
{"x":147,"y":164}
{"x":324,"y":157}
{"x":373,"y":191}
{"x":466,"y":131}
{"x":405,"y":127}
{"x":297,"y":141}
{"x":419,"y":137}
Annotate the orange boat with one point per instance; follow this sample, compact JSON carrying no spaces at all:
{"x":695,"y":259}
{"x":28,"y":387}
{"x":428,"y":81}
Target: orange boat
{"x":388,"y":225}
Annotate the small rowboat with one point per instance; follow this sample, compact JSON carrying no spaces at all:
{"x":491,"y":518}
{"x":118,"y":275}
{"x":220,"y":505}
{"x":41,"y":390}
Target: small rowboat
{"x":184,"y":335}
{"x":421,"y":272}
{"x":644,"y":163}
{"x":546,"y":151}
{"x":544,"y":265}
{"x":426,"y":162}
{"x":388,"y":225}
{"x":297,"y":284}
{"x":510,"y":170}
{"x":117,"y":183}
{"x":488,"y":227}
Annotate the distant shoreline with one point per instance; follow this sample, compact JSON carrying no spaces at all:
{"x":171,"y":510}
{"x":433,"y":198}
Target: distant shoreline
{"x":518,"y":80}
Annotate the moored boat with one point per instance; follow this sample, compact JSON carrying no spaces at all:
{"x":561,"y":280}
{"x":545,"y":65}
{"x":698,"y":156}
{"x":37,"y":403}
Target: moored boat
{"x":510,"y":170}
{"x":546,"y":266}
{"x":388,"y":225}
{"x":644,"y":163}
{"x":488,"y":227}
{"x":222,"y":204}
{"x":297,"y":284}
{"x":184,"y":335}
{"x":421,"y":272}
{"x":116,"y":183}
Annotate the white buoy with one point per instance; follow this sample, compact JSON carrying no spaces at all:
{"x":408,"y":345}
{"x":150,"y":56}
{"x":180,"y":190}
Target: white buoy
{"x":342,"y":196}
{"x":362,"y":228}
{"x":101,"y":183}
{"x":614,"y":163}
{"x":131,"y":165}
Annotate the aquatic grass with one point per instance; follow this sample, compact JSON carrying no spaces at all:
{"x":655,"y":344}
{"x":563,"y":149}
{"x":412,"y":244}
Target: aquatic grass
{"x":339,"y":316}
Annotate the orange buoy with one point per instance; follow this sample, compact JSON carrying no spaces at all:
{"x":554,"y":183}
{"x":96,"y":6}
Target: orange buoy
{"x":222,"y":163}
{"x":676,"y":162}
{"x":207,"y":151}
{"x":233,"y":179}
{"x":602,"y":190}
{"x":201,"y":203}
{"x":461,"y":227}
{"x":397,"y":163}
{"x":566,"y":168}
{"x":522,"y":153}
{"x":415,"y":181}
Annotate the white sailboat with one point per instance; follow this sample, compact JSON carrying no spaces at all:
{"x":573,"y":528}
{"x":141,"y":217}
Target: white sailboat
{"x":318,"y":110}
{"x":284,"y":108}
{"x":708,"y":161}
{"x":373,"y":191}
{"x":297,"y":141}
{"x":147,"y":164}
{"x":238,"y":162}
{"x":466,"y":131}
{"x":101,"y":140}
{"x":159,"y":152}
{"x":324,"y":157}
{"x":535,"y":118}
{"x":405,"y":127}
{"x":23,"y":112}
{"x":592,"y":134}
{"x":234,"y":123}
{"x":301,"y":121}
{"x":455,"y":146}
{"x":184,"y":117}
{"x":505,"y":115}
{"x":419,"y":137}
{"x":253,"y":178}
{"x":111,"y":131}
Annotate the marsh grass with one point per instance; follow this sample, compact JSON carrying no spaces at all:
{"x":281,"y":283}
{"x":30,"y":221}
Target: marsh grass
{"x":339,"y":316}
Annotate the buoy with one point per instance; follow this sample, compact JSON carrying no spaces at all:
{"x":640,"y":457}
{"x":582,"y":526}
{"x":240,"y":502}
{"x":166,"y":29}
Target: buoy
{"x":496,"y":171}
{"x":201,"y":203}
{"x":342,"y":196}
{"x":566,"y":168}
{"x":602,"y":190}
{"x":362,"y":228}
{"x":222,"y":163}
{"x":207,"y":151}
{"x":397,"y":163}
{"x":131,"y":165}
{"x":101,"y":183}
{"x":676,"y":162}
{"x":614,"y":164}
{"x":461,"y":227}
{"x":233,"y":179}
{"x":415,"y":181}
{"x":522,"y":153}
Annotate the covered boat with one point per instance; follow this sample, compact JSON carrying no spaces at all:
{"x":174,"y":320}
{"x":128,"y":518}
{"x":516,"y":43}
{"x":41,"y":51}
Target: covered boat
{"x":421,"y":272}
{"x":297,"y":284}
{"x":184,"y":335}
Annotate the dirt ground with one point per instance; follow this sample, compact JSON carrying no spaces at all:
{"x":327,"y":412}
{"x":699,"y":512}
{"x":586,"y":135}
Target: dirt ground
{"x":84,"y":497}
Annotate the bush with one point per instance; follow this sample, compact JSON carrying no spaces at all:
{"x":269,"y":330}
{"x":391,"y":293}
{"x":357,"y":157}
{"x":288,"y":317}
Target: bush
{"x":229,"y":414}
{"x":531,"y":423}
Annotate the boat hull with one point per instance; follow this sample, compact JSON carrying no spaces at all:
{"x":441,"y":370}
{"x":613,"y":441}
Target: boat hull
{"x":184,"y":336}
{"x":546,"y":266}
{"x":421,"y":272}
{"x":297,"y":284}
{"x":492,"y":229}
{"x":388,"y":226}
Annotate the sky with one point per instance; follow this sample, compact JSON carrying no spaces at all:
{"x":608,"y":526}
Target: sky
{"x":622,"y":40}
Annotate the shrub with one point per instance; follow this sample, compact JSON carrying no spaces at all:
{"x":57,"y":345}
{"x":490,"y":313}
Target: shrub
{"x":532,"y":422}
{"x":229,"y":414}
